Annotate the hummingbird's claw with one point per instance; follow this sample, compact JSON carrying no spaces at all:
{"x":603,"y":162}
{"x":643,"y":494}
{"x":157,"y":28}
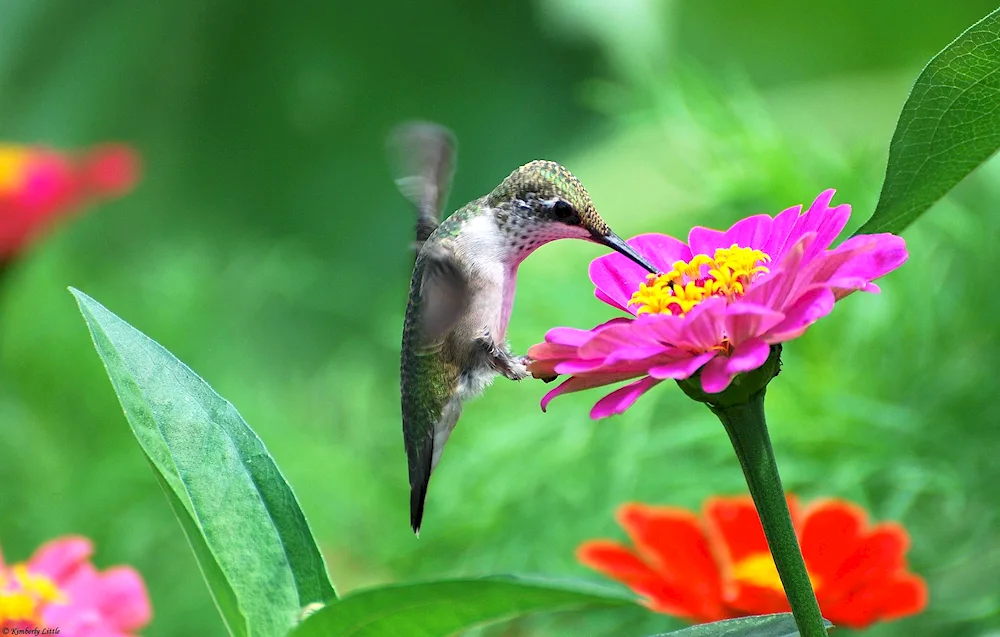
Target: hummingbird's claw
{"x":502,"y":360}
{"x":515,"y":370}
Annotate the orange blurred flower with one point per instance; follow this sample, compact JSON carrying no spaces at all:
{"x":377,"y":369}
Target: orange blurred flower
{"x":719,"y":566}
{"x":59,"y":588}
{"x":38,"y":186}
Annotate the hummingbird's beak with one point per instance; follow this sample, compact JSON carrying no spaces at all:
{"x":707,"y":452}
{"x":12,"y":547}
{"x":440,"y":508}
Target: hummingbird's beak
{"x":616,"y":243}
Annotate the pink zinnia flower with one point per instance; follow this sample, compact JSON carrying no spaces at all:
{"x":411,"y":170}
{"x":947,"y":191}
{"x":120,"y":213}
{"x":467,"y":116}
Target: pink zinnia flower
{"x":60,"y":588}
{"x":724,"y":299}
{"x":38,"y":186}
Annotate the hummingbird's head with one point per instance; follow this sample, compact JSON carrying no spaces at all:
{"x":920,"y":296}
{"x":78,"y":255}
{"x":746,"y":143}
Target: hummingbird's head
{"x":542,"y":201}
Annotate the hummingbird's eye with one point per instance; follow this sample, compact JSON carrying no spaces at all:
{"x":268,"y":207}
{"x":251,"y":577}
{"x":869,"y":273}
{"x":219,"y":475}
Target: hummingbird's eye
{"x":564,"y":212}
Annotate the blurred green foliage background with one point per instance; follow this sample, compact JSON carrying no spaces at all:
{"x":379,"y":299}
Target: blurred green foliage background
{"x":267,"y":247}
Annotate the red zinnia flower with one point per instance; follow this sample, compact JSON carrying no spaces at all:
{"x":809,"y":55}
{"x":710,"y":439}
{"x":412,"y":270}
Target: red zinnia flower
{"x":38,"y":186}
{"x":719,"y":566}
{"x":59,"y":588}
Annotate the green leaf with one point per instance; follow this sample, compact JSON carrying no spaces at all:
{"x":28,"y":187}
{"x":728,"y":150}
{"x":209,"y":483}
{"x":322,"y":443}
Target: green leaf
{"x":950,"y":124}
{"x":249,"y":535}
{"x":782,"y":625}
{"x":438,"y":609}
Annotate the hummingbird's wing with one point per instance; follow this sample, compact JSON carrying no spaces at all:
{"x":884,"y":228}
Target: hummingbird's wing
{"x":423,"y":160}
{"x":444,"y":295}
{"x":428,"y":375}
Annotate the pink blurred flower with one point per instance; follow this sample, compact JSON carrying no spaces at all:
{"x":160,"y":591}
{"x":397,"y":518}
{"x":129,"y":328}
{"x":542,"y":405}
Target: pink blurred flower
{"x":38,"y":186}
{"x":724,"y":300}
{"x":60,"y":588}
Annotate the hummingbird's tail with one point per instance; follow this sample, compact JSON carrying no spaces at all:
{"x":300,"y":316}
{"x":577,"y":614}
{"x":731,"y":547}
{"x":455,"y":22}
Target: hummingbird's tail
{"x":418,"y":493}
{"x":423,"y":454}
{"x":420,"y":455}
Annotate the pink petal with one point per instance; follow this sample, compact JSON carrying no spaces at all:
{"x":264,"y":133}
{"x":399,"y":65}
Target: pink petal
{"x":704,"y":326}
{"x":59,"y":559}
{"x":618,"y":401}
{"x":81,"y":589}
{"x":821,"y":220}
{"x":714,"y":377}
{"x":748,"y":356}
{"x":635,"y":354}
{"x":683,"y":367}
{"x":807,"y":309}
{"x":662,"y":250}
{"x":887,"y":253}
{"x":826,"y":265}
{"x":578,"y":365}
{"x":829,"y":228}
{"x":706,"y":240}
{"x":621,"y":336}
{"x":780,"y":229}
{"x":579,"y":383}
{"x":666,"y":329}
{"x":617,"y":278}
{"x":550,"y":351}
{"x":719,"y":372}
{"x":569,"y":336}
{"x":123,"y":599}
{"x":601,"y":296}
{"x":843,"y":287}
{"x":774,"y":289}
{"x":748,"y":320}
{"x":752,"y":232}
{"x":604,"y":367}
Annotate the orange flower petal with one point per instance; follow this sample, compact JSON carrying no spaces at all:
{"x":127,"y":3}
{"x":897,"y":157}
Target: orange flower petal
{"x":898,"y":596}
{"x":831,"y":532}
{"x":906,"y":594}
{"x":671,"y":541}
{"x":756,"y":600}
{"x":880,"y":553}
{"x":734,"y":531}
{"x":619,"y":563}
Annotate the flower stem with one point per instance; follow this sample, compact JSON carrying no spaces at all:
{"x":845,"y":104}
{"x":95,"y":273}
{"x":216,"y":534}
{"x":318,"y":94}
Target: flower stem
{"x":747,"y":430}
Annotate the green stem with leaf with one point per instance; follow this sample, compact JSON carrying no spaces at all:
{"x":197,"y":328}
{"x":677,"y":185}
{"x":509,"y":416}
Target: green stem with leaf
{"x":747,"y":429}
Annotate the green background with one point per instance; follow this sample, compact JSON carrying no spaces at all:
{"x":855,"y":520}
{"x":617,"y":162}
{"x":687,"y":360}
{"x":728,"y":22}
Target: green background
{"x":267,"y":248}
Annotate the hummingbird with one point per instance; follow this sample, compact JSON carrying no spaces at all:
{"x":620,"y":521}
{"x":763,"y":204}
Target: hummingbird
{"x":464,"y":277}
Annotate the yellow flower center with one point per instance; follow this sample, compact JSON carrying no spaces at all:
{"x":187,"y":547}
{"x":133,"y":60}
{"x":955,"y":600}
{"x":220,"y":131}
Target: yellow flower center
{"x":759,"y":570}
{"x":23,"y":595}
{"x":727,"y":274}
{"x":13,"y":161}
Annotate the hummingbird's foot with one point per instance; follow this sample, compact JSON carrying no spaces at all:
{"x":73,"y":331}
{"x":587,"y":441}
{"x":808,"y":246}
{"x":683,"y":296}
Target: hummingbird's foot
{"x":515,"y":369}
{"x":501,"y":360}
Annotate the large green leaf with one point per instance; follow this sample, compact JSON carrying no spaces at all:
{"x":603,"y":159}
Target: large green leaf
{"x":438,"y":609}
{"x":950,"y":124}
{"x":782,"y":625}
{"x":248,"y":533}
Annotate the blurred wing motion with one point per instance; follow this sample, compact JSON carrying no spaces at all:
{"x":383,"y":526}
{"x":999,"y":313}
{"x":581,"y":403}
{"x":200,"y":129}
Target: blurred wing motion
{"x":444,"y":295}
{"x":423,"y":160}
